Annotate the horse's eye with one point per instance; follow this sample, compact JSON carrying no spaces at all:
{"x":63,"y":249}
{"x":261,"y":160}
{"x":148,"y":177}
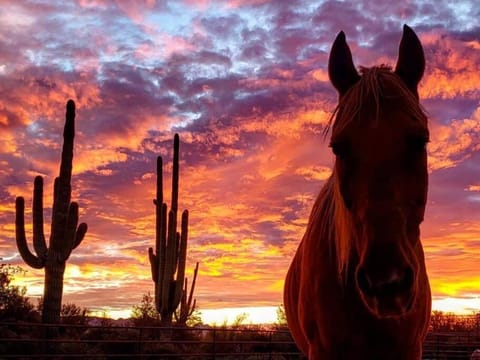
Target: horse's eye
{"x":340,"y":149}
{"x":417,"y":143}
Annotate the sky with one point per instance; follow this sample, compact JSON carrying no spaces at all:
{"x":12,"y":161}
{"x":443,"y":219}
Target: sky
{"x":244,"y":83}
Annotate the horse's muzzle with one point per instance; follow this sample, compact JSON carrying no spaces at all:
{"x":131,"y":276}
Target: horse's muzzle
{"x":388,"y":294}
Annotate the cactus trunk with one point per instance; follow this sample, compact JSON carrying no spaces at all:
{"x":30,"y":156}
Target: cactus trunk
{"x":64,"y":236}
{"x":52,"y":296}
{"x":169,"y":259}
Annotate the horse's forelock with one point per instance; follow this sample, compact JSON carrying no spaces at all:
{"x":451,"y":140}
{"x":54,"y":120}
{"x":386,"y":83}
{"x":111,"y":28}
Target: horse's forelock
{"x":370,"y":89}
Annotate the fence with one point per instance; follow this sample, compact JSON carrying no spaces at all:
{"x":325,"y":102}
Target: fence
{"x":37,"y":341}
{"x":450,"y":345}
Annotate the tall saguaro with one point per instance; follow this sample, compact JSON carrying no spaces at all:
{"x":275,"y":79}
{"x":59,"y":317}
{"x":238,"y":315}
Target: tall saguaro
{"x":65,"y":235}
{"x":169,"y":259}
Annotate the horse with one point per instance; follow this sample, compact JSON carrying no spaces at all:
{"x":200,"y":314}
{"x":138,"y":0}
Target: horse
{"x":357,"y":287}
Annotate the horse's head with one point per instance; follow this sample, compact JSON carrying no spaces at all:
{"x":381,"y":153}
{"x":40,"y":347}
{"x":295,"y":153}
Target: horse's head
{"x":379,"y":138}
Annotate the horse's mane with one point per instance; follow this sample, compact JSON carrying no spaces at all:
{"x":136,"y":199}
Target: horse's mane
{"x":330,"y":220}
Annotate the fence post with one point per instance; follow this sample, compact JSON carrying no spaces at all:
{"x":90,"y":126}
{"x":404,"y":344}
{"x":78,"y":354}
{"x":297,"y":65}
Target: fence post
{"x":214,"y":347}
{"x":44,"y":342}
{"x":139,"y":343}
{"x":270,"y":345}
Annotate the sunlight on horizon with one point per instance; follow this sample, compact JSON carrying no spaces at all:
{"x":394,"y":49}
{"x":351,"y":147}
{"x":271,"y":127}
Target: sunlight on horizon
{"x":460,"y":306}
{"x":468,"y":304}
{"x":268,"y":314}
{"x":214,"y":317}
{"x":248,"y":315}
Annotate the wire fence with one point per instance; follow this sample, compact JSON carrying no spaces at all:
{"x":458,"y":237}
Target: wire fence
{"x":38,"y":341}
{"x":451,"y":345}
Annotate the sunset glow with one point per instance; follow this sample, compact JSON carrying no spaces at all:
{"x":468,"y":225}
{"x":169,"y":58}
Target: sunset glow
{"x":245,"y":85}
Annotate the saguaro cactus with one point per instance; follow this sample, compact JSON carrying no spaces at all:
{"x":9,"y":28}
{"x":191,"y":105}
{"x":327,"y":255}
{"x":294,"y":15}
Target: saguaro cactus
{"x":169,"y":260}
{"x":64,"y":236}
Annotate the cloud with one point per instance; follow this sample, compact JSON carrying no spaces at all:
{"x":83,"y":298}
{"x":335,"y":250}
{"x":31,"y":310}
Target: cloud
{"x":454,"y":143}
{"x":452,"y":66}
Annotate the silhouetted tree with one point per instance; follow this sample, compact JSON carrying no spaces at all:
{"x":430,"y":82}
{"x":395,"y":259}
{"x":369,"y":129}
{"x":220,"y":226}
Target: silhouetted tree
{"x":448,"y":322}
{"x":145,"y":313}
{"x":14,"y":305}
{"x":281,"y":316}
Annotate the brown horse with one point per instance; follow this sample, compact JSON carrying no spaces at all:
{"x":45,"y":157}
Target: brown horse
{"x":357,"y":287}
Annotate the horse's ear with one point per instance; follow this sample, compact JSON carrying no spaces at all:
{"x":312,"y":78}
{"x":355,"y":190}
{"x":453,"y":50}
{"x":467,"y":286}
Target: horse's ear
{"x":341,"y":69}
{"x":411,"y":60}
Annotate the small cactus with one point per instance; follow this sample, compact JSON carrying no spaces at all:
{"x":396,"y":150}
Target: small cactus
{"x":65,"y":235}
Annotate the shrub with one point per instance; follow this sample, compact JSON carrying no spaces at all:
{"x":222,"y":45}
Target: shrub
{"x":14,"y":305}
{"x":145,"y":313}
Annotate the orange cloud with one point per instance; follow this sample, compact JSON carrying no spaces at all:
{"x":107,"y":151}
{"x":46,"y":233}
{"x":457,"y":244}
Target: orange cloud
{"x":453,"y":143}
{"x":453,"y":70}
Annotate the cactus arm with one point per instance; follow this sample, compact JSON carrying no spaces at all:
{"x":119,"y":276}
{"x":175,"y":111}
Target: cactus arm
{"x":194,"y":306}
{"x":159,"y":199}
{"x":153,"y":264}
{"x":175,"y":174}
{"x":73,"y":236}
{"x":70,"y":229}
{"x":169,"y":269}
{"x":32,"y":260}
{"x":192,"y":288}
{"x":182,"y":258}
{"x":39,"y":243}
{"x":163,"y":239}
{"x":67,"y":151}
{"x":176,"y":251}
{"x":161,"y":255}
{"x":160,"y":214}
{"x":80,"y":234}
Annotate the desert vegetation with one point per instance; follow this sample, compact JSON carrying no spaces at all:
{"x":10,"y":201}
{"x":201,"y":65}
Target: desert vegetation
{"x":78,"y":334}
{"x":168,"y":259}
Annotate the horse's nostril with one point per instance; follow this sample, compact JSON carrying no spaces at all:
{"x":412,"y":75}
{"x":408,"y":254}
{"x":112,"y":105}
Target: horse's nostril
{"x":391,"y":286}
{"x":407,"y":281}
{"x":364,"y":282}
